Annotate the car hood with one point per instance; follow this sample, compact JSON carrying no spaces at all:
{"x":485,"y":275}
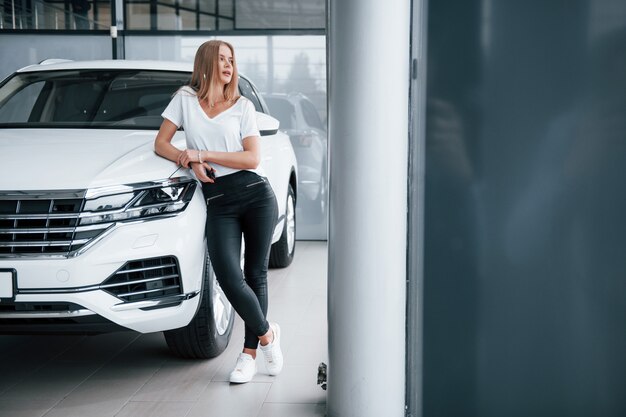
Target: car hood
{"x":46,"y":159}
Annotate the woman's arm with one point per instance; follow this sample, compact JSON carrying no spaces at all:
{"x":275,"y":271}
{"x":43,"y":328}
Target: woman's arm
{"x":249,"y":158}
{"x":163,"y":142}
{"x":163,"y":147}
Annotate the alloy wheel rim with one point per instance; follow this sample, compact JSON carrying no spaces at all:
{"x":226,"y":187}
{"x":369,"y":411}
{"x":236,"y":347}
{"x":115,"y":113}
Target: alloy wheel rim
{"x":221,"y":309}
{"x":291,"y":224}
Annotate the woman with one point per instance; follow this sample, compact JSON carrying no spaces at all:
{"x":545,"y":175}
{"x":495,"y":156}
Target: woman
{"x":224,"y":153}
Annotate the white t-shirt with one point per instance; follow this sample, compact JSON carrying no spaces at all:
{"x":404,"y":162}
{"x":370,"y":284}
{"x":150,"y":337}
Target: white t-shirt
{"x":222,"y":133}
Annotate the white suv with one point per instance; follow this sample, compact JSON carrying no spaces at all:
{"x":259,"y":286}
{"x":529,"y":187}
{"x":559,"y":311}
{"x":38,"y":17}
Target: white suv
{"x":99,"y":233}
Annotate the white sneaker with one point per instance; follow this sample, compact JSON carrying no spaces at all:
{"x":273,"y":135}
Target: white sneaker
{"x":245,"y":369}
{"x":272,"y":353}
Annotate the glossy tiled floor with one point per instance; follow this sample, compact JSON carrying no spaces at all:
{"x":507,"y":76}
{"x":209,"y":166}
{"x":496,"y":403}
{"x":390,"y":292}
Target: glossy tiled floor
{"x":129,"y":375}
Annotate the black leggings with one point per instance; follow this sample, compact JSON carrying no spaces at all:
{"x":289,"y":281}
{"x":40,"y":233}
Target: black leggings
{"x":243,"y":202}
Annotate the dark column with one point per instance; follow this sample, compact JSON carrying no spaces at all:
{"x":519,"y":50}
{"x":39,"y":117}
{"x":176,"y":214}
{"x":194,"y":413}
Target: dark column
{"x":117,"y":29}
{"x":524,"y":285}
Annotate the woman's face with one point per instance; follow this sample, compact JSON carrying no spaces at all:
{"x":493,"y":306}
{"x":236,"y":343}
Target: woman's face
{"x":225,"y":64}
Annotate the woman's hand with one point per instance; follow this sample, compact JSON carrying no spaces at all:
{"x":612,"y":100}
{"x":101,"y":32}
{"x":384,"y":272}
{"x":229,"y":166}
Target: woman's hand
{"x":201,"y":171}
{"x":188,"y":156}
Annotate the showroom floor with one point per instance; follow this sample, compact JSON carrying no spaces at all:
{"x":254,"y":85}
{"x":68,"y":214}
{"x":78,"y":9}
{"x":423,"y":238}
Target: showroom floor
{"x":131,"y":375}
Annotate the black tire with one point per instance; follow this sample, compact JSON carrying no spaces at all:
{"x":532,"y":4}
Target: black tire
{"x":281,"y":253}
{"x":203,"y":338}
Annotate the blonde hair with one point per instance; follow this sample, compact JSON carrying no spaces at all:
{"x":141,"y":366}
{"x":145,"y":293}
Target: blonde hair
{"x":205,"y":76}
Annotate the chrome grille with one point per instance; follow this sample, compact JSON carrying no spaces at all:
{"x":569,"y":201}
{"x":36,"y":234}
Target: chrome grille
{"x":43,"y":224}
{"x":145,"y":279}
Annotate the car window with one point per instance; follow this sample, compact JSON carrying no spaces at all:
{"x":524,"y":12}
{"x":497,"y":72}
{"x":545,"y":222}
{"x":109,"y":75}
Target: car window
{"x":89,"y":98}
{"x":24,"y":99}
{"x":310,"y":114}
{"x":283,"y":110}
{"x":246,"y":90}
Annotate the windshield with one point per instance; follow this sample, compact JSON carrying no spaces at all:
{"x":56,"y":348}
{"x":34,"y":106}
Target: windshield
{"x":123,"y":99}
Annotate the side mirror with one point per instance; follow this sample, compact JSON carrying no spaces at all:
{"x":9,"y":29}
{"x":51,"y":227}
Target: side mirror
{"x":267,"y":124}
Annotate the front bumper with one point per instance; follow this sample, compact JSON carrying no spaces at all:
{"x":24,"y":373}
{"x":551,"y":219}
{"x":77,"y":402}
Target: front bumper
{"x":78,"y":281}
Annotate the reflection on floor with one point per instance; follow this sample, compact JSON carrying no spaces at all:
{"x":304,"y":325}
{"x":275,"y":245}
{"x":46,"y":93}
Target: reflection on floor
{"x":126,"y":374}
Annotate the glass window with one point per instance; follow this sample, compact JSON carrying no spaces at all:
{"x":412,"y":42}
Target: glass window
{"x":310,"y":114}
{"x":207,"y":6}
{"x":280,"y":14}
{"x":188,"y":20}
{"x":226,"y":24}
{"x":55,"y":14}
{"x":137,"y":16}
{"x":283,"y":110}
{"x":227,"y":8}
{"x":88,"y":98}
{"x":167,"y":19}
{"x":163,"y":14}
{"x":207,"y":22}
{"x":24,"y":98}
{"x":188,"y":4}
{"x":180,"y":15}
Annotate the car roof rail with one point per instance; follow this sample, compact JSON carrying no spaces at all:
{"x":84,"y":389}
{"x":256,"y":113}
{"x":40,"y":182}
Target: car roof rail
{"x":54,"y":61}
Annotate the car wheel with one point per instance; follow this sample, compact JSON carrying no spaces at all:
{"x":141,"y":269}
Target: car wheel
{"x":208,"y":333}
{"x":281,"y":253}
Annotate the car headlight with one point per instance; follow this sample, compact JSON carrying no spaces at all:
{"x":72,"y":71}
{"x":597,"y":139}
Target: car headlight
{"x":137,"y":201}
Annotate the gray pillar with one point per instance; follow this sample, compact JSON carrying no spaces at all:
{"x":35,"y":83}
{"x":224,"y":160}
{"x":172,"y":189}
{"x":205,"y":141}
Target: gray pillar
{"x":368,"y":125}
